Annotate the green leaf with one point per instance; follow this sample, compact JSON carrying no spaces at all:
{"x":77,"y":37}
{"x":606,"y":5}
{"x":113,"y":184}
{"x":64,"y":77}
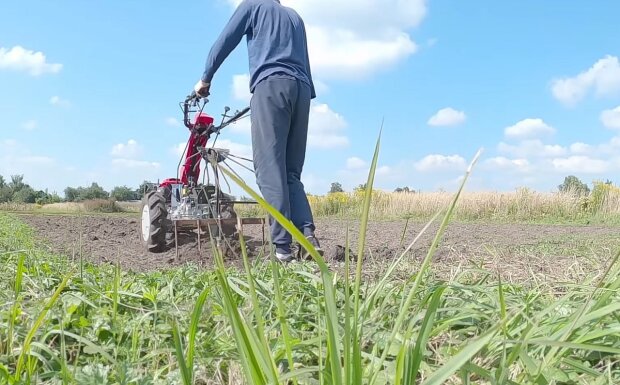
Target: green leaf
{"x":461,"y":358}
{"x":37,"y":324}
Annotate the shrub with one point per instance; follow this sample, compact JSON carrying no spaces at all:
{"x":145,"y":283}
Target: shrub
{"x":102,"y":206}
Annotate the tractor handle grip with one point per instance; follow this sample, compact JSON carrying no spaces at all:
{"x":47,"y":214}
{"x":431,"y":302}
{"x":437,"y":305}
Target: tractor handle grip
{"x":191,"y":97}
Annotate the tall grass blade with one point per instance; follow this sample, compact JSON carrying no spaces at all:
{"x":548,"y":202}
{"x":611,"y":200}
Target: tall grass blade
{"x":258,"y":315}
{"x":379,"y":287}
{"x":347,"y":312}
{"x":258,"y":363}
{"x":356,"y":332}
{"x":404,"y":312}
{"x":35,"y":327}
{"x":587,"y":312}
{"x":417,"y":354}
{"x":461,"y":358}
{"x":178,"y":346}
{"x":193,"y":329}
{"x":14,"y":309}
{"x":332,"y":323}
{"x":282,"y":317}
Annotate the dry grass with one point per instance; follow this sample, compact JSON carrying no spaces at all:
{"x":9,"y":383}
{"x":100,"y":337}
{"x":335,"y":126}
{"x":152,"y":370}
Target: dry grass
{"x":522,"y":205}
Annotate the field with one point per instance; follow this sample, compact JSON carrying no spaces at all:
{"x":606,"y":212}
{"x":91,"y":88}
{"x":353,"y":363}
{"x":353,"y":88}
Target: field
{"x":508,"y":292}
{"x":518,"y":251}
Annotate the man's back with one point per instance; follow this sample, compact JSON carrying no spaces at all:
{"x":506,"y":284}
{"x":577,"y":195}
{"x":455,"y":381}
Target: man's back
{"x":276,"y":40}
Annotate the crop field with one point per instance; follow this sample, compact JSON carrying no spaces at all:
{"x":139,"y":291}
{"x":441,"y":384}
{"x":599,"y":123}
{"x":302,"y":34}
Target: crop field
{"x":520,"y":289}
{"x":478,"y":300}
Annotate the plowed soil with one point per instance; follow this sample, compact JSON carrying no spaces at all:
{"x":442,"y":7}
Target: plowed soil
{"x":106,"y":239}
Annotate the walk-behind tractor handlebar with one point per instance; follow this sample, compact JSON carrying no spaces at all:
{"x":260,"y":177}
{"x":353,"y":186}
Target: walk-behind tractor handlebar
{"x":192,"y":103}
{"x":184,"y":203}
{"x":201,"y":130}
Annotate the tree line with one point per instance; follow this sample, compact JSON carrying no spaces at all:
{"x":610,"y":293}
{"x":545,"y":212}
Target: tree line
{"x":18,"y":191}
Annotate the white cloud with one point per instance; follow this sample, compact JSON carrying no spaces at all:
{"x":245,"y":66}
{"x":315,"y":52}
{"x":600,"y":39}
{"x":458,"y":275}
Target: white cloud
{"x":243,"y":126}
{"x":528,"y":128}
{"x":241,"y":88}
{"x":30,"y":125}
{"x":313,"y":183}
{"x":59,"y":102}
{"x":355,"y":163}
{"x":357,"y":38}
{"x":581,"y":148}
{"x":384,"y":171}
{"x":325,"y":129}
{"x":503,"y":163}
{"x":611,"y":118}
{"x":603,"y":78}
{"x":173,"y":122}
{"x":320,"y":87}
{"x":436,"y":162}
{"x":179,"y":149}
{"x":129,"y":150}
{"x":37,"y":160}
{"x":531,"y":148}
{"x":581,"y":164}
{"x":447,"y":117}
{"x":342,"y":53}
{"x":133,"y":163}
{"x":21,"y":59}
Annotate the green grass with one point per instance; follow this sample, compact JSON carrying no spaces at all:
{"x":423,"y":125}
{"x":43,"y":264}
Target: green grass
{"x":81,"y":338}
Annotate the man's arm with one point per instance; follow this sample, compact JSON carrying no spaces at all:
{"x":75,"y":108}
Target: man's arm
{"x":229,"y":38}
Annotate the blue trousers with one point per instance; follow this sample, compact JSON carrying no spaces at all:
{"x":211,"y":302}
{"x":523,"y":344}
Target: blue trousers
{"x":280,"y":107}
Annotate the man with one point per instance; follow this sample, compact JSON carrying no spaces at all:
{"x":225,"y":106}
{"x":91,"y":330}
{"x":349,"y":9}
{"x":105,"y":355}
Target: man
{"x":282,"y":87}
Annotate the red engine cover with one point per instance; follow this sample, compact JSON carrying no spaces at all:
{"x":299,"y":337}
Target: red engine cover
{"x":203,"y":119}
{"x":190,"y":169}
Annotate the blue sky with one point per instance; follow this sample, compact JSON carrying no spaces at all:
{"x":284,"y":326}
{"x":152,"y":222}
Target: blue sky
{"x":89,"y":91}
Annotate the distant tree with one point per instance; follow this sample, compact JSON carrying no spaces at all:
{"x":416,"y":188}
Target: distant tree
{"x":93,"y":192}
{"x":25,"y":195}
{"x":361,"y":187}
{"x":5,"y":191}
{"x":6,"y":195}
{"x":123,"y":194}
{"x":574,"y":185}
{"x":71,"y":194}
{"x":17,"y":183}
{"x":145,"y":185}
{"x":336,"y":188}
{"x":44,"y":198}
{"x":85,"y":193}
{"x":402,"y":189}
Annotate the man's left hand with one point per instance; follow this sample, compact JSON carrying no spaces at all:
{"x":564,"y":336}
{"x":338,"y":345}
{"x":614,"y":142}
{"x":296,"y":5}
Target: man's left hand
{"x":202,"y":89}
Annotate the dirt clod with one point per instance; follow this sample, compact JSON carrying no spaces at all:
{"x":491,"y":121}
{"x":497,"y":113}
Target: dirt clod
{"x":339,"y":254}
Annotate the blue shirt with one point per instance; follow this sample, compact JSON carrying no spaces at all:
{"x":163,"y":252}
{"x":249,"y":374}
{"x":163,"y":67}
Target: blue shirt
{"x":276,"y":38}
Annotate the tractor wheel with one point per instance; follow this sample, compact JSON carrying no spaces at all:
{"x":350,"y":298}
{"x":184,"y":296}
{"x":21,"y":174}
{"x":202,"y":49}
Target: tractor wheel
{"x":154,"y":223}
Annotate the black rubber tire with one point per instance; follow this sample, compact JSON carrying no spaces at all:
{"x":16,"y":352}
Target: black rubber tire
{"x":158,"y":222}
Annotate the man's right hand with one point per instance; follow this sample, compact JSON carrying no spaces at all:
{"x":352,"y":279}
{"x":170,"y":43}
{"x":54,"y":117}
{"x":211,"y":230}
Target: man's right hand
{"x":202,"y":89}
